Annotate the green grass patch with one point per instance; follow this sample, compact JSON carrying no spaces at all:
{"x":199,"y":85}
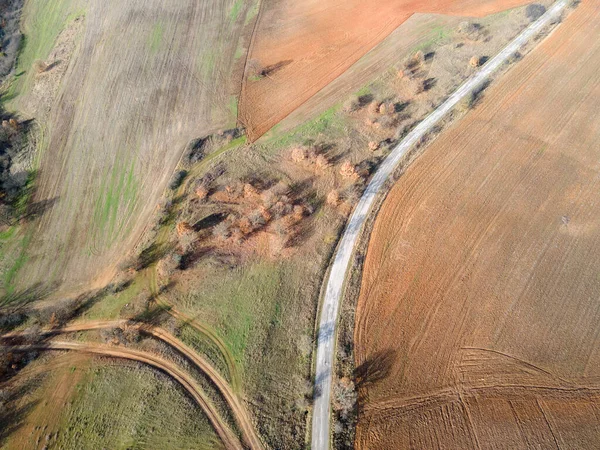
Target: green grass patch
{"x":110,"y":307}
{"x":116,"y":201}
{"x":208,"y":62}
{"x":234,"y":13}
{"x":329,"y":122}
{"x":232,"y":106}
{"x":252,"y":12}
{"x":242,"y":300}
{"x":156,"y":37}
{"x":42,"y":22}
{"x":363,"y":90}
{"x":239,"y":52}
{"x":437,"y":35}
{"x":8,"y":233}
{"x":131,"y":408}
{"x":10,"y":275}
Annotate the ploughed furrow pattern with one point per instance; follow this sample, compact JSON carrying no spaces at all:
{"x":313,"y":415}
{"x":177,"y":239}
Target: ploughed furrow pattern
{"x":147,"y":78}
{"x":300,"y":47}
{"x":477,"y":322}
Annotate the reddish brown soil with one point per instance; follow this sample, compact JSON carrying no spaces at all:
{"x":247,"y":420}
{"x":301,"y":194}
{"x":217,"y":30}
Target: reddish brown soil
{"x":477,"y":323}
{"x":303,"y":46}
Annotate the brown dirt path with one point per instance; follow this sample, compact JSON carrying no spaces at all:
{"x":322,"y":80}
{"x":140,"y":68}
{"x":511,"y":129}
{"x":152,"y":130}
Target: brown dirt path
{"x":477,"y":322}
{"x":303,"y":46}
{"x":189,"y":384}
{"x":239,"y":411}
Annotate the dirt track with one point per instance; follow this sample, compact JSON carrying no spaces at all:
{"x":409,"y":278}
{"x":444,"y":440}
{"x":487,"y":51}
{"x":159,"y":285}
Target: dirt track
{"x":147,"y":78}
{"x":303,"y":46}
{"x":239,"y":412}
{"x":229,"y":439}
{"x":477,"y":323}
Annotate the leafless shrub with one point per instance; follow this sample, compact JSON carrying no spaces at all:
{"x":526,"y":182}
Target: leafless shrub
{"x":535,"y":11}
{"x":475,"y":61}
{"x":250,"y":191}
{"x":222,"y":230}
{"x":57,"y":313}
{"x":373,"y":146}
{"x":352,"y":105}
{"x":472,"y":31}
{"x":322,"y":162}
{"x":344,"y":397}
{"x":333,"y":198}
{"x":348,"y":170}
{"x":201,"y":192}
{"x":299,"y":154}
{"x":168,"y":265}
{"x":257,"y":219}
{"x":373,"y":107}
{"x":39,"y":66}
{"x":131,"y":334}
{"x":255,"y":69}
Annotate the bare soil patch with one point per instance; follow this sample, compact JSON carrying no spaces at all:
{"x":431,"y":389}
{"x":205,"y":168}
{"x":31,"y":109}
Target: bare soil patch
{"x":477,"y":320}
{"x":300,"y":47}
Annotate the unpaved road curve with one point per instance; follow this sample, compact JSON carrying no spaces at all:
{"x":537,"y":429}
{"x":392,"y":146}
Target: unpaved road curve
{"x":189,"y":384}
{"x":239,"y":412}
{"x":343,"y":257}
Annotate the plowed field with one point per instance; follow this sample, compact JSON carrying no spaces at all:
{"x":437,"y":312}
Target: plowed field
{"x":477,"y":322}
{"x":302,"y":46}
{"x":146,"y":79}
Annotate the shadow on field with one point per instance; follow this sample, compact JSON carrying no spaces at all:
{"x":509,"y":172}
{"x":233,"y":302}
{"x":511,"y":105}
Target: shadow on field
{"x":12,"y":416}
{"x":38,"y":291}
{"x":375,"y":368}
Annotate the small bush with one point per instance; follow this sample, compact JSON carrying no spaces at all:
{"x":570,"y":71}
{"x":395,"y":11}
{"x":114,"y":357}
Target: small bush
{"x":535,"y":11}
{"x":40,"y":66}
{"x":177,"y":179}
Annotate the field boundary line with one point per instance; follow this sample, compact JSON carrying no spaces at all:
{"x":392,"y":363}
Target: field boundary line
{"x":320,"y":439}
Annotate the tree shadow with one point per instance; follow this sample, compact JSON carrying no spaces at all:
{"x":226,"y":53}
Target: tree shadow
{"x":209,"y":221}
{"x":429,"y":83}
{"x":19,"y":299}
{"x":35,"y":210}
{"x":376,"y":368}
{"x":152,"y":254}
{"x":189,"y":259}
{"x":12,"y":417}
{"x":274,"y":68}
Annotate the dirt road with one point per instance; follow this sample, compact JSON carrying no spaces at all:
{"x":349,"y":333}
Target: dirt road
{"x":238,"y":410}
{"x":187,"y":382}
{"x":343,"y":257}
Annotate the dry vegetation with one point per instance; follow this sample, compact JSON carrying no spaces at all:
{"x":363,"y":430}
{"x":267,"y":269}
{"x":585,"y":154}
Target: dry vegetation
{"x":478,"y":315}
{"x":234,"y":256}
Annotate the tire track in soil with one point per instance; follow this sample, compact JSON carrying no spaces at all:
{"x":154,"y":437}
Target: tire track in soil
{"x":240,"y":413}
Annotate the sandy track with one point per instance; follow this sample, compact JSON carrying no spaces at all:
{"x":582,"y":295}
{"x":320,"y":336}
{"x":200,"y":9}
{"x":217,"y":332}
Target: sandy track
{"x":198,"y":326}
{"x":335,"y":282}
{"x":239,"y":412}
{"x":229,"y":439}
{"x":479,"y":299}
{"x":149,"y":76}
{"x":306,"y":45}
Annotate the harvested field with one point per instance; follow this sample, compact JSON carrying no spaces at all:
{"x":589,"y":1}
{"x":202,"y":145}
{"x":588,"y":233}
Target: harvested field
{"x":477,"y":322}
{"x":147,"y":77}
{"x":300,"y":47}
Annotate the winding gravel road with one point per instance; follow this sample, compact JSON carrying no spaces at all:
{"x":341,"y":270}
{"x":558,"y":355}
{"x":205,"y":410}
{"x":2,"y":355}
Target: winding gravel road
{"x":343,"y":257}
